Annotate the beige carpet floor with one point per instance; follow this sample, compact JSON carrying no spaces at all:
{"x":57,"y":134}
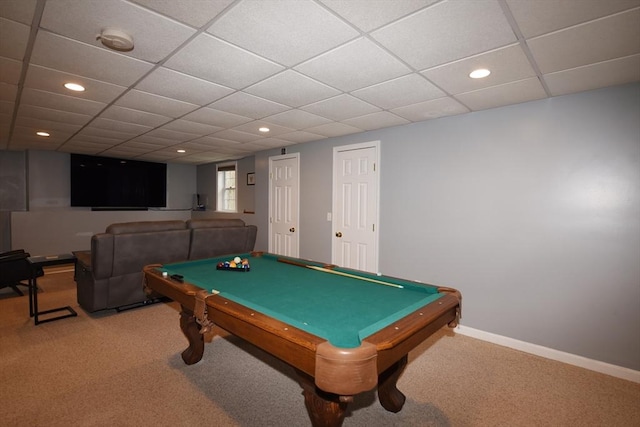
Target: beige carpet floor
{"x":124,"y":369}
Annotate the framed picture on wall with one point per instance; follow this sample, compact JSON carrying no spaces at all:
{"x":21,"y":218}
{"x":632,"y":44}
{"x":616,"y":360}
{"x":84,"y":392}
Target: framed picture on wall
{"x":251,"y":178}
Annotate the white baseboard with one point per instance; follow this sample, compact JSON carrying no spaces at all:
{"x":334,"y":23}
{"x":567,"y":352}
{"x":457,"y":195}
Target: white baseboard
{"x":549,"y":353}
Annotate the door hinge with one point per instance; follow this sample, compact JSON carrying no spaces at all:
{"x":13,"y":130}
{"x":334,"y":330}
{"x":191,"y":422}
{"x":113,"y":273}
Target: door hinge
{"x":373,"y":227}
{"x":374,"y":167}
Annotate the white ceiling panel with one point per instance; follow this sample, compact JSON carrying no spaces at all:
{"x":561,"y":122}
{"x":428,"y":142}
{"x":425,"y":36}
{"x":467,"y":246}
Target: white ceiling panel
{"x":297,"y":119}
{"x":447,"y":31}
{"x":67,"y":55}
{"x":10,"y":71}
{"x":211,"y":116}
{"x":219,"y":62}
{"x":584,"y":44}
{"x":130,"y":115}
{"x":381,"y":119}
{"x":51,"y":100}
{"x":172,"y":84}
{"x":353,"y":66}
{"x":535,"y":18}
{"x":247,"y":105}
{"x":13,"y":39}
{"x":607,"y":73}
{"x":308,"y":69}
{"x":143,"y":101}
{"x":341,"y":107}
{"x":292,"y":89}
{"x":429,"y":110}
{"x":305,"y":27}
{"x":507,"y":64}
{"x":193,"y":12}
{"x":18,"y":10}
{"x":53,"y":81}
{"x":498,"y":96}
{"x":371,"y":14}
{"x":395,"y":93}
{"x":154,"y":35}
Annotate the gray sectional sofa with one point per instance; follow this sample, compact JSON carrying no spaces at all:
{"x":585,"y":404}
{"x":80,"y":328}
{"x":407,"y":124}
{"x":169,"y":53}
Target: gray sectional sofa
{"x":110,"y":275}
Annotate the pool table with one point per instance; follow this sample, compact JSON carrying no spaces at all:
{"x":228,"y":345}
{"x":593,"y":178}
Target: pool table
{"x":343,"y":331}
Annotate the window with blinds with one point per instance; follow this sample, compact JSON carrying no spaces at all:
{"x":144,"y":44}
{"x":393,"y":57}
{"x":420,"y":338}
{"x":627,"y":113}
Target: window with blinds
{"x":227,"y":196}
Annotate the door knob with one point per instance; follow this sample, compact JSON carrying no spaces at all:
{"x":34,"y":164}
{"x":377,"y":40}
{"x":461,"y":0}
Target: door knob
{"x":339,"y":234}
{"x":292,"y":229}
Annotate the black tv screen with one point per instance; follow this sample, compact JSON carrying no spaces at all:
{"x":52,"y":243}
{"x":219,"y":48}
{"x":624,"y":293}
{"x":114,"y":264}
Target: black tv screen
{"x":105,"y":182}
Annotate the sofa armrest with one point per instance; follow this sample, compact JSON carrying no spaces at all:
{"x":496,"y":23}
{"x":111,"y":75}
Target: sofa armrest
{"x":102,"y":255}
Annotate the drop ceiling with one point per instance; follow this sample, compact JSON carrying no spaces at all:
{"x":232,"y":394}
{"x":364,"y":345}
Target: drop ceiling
{"x":205,"y":75}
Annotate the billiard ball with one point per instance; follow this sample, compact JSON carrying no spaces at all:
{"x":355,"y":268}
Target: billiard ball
{"x":237,"y":260}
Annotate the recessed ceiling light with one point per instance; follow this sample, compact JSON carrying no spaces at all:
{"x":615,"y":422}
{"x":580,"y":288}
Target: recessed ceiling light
{"x":74,"y":87}
{"x":182,"y":151}
{"x":43,"y":133}
{"x":480,"y":73}
{"x":263,"y":129}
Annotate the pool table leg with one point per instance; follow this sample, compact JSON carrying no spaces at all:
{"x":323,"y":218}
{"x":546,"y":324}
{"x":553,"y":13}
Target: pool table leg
{"x":191,"y":330}
{"x":390,"y":397}
{"x":325,"y":409}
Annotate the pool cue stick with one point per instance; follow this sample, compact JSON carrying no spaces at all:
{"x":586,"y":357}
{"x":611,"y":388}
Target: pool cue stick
{"x":339,"y":273}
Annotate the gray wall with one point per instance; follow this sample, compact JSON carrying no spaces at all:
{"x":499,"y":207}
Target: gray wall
{"x":52,"y":226}
{"x":532,"y":211}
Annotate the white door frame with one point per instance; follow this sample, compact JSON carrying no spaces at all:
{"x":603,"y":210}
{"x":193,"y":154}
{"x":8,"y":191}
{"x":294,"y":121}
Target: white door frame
{"x":335,"y":193}
{"x":272,"y":159}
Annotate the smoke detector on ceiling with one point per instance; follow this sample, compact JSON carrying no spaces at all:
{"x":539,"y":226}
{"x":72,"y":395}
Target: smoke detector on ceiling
{"x":116,"y":39}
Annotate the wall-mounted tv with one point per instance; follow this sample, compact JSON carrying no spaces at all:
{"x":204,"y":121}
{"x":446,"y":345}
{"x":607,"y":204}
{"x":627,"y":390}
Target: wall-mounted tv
{"x":109,"y":183}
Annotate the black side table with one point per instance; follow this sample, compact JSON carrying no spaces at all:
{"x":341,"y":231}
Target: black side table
{"x":47,"y":261}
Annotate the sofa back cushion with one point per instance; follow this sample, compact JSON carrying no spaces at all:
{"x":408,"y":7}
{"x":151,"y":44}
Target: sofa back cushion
{"x":131,"y":252}
{"x":211,"y":242}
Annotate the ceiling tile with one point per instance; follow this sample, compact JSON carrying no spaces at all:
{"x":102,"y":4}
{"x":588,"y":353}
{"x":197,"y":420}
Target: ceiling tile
{"x":56,"y":137}
{"x":83,"y":137}
{"x":148,"y":139}
{"x":63,"y":54}
{"x":447,"y":31}
{"x":193,"y":12}
{"x":173,"y":84}
{"x":535,"y":18}
{"x":498,"y":96}
{"x":213,"y":117}
{"x":238,"y":69}
{"x":371,"y":14}
{"x":506,"y":64}
{"x":39,"y":124}
{"x":6,"y":110}
{"x":301,"y":136}
{"x":144,"y":118}
{"x":51,"y":100}
{"x":13,"y":39}
{"x":18,"y":10}
{"x":305,"y":27}
{"x":595,"y":41}
{"x":118,"y":126}
{"x":253,"y":127}
{"x":395,"y":93}
{"x":186,"y":126}
{"x":602,"y":74}
{"x":235,"y":135}
{"x":297,"y":119}
{"x":334,"y":129}
{"x":381,"y":119}
{"x":8,"y":92}
{"x":353,"y":66}
{"x":106,"y":133}
{"x":156,"y":104}
{"x":341,"y":107}
{"x":292,"y":89}
{"x":53,"y":81}
{"x":10,"y":70}
{"x":247,"y":105}
{"x":171,"y":135}
{"x":433,"y":109}
{"x":53,"y":115}
{"x":154,"y":35}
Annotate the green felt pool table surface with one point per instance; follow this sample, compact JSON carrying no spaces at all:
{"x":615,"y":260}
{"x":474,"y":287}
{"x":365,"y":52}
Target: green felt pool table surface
{"x":342,"y":310}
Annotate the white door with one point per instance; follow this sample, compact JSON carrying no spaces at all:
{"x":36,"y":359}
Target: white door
{"x":355,"y":206}
{"x":284,"y":184}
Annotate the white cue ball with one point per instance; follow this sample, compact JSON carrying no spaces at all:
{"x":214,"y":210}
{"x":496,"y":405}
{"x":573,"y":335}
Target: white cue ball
{"x":237,"y":260}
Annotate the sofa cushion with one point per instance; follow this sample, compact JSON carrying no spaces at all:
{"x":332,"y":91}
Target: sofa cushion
{"x":211,"y":242}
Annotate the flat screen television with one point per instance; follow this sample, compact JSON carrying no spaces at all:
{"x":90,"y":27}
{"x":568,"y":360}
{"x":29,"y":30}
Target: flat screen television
{"x":109,"y":183}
